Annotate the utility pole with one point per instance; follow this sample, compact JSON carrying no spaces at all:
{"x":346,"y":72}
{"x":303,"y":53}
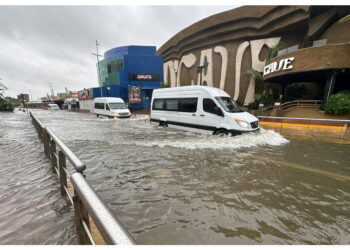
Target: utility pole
{"x":98,"y":65}
{"x":51,"y":89}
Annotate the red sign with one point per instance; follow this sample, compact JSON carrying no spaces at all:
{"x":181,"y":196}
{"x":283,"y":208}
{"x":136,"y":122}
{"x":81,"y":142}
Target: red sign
{"x":134,"y":94}
{"x":73,"y":95}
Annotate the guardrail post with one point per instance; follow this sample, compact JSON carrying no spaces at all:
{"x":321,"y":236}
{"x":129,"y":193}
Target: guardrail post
{"x":41,"y":131}
{"x":62,"y":168}
{"x":53,"y":155}
{"x":81,"y":214}
{"x":46,"y":143}
{"x":308,"y":128}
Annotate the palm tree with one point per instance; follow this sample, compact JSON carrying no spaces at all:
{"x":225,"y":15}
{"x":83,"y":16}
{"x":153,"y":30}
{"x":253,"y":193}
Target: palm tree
{"x":274,"y":50}
{"x":345,"y":19}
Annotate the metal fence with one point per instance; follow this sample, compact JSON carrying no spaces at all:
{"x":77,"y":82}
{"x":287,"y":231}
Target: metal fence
{"x":296,"y":47}
{"x":300,"y":103}
{"x":318,"y":129}
{"x":84,"y":199}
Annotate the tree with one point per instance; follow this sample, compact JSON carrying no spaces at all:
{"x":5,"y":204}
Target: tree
{"x":164,"y":85}
{"x":274,"y":50}
{"x":345,"y":19}
{"x":258,"y":76}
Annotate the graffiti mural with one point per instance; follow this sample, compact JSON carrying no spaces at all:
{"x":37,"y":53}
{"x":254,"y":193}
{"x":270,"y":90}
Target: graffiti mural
{"x":174,"y":68}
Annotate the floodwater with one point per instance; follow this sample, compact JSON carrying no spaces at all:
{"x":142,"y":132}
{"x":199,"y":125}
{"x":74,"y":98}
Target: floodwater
{"x":173,"y":187}
{"x":31,"y":208}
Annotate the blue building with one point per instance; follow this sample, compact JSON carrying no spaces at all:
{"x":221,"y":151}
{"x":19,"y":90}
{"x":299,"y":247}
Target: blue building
{"x":131,"y":73}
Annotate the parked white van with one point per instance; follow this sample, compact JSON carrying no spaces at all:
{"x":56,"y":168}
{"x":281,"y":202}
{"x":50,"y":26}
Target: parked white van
{"x":200,"y":108}
{"x":111,"y":107}
{"x":53,"y":106}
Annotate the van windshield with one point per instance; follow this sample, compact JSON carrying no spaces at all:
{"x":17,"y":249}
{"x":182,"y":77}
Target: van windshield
{"x":116,"y":105}
{"x":228,"y":104}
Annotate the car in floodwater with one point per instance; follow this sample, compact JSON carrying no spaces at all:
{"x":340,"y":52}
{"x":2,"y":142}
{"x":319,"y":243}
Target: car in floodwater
{"x":111,"y":107}
{"x":53,"y":106}
{"x":200,"y":108}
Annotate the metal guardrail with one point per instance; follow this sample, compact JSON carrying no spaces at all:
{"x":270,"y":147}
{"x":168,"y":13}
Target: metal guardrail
{"x":303,"y":119}
{"x":301,"y":103}
{"x":85,"y":200}
{"x":110,"y":227}
{"x":297,"y":47}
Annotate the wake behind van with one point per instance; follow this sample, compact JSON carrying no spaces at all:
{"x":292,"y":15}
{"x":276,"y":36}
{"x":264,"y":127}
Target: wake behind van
{"x":202,"y":109}
{"x":111,"y":107}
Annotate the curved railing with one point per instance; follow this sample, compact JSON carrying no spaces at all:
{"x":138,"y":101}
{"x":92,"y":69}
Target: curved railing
{"x":300,"y":103}
{"x":85,"y":200}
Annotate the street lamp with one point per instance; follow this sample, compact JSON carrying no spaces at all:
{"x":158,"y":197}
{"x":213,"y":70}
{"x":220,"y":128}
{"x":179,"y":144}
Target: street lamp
{"x":108,"y":88}
{"x":200,"y":71}
{"x":98,"y":65}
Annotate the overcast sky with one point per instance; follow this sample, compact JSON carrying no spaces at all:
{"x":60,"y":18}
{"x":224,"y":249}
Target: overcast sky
{"x":42,"y":44}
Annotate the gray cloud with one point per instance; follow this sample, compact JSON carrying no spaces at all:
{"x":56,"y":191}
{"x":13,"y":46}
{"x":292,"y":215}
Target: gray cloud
{"x":42,"y":44}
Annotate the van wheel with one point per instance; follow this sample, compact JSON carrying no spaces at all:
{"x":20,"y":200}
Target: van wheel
{"x":221,"y":132}
{"x":163,"y":124}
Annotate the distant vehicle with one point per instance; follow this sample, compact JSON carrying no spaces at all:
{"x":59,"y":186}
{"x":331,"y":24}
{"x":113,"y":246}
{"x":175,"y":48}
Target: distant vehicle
{"x":53,"y":106}
{"x":200,"y":108}
{"x":111,"y":107}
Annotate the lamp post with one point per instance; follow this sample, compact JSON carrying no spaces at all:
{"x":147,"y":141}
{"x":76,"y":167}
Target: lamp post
{"x":200,"y":71}
{"x":98,"y":65}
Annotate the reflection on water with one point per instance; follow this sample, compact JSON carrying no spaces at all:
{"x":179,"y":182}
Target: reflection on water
{"x":174,"y":187}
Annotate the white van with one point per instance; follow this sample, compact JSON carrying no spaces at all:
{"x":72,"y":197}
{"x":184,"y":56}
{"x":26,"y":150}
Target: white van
{"x":111,"y":107}
{"x":53,"y":106}
{"x":202,"y":109}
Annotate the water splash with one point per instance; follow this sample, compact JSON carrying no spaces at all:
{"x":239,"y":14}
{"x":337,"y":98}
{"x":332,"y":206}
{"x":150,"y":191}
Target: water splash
{"x":265,"y":137}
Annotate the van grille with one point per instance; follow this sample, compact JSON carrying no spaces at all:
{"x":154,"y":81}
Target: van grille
{"x":254,"y":124}
{"x":123,"y":114}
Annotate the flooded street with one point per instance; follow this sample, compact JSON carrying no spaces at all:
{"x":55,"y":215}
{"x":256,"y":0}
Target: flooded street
{"x":32,"y":211}
{"x":173,"y":187}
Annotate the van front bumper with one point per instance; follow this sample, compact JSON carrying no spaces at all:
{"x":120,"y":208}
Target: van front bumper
{"x":239,"y":132}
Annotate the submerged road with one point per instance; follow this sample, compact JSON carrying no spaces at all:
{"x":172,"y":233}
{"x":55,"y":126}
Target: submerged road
{"x":31,"y":208}
{"x":173,"y":187}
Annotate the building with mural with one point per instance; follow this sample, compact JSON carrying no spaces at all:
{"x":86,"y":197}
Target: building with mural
{"x":284,"y":44}
{"x":130,"y":72}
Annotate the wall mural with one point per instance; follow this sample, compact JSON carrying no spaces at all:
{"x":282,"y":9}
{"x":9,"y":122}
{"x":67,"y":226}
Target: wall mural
{"x":173,"y":68}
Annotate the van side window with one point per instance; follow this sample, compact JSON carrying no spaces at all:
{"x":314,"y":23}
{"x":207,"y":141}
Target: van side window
{"x":210,"y":107}
{"x":99,"y":106}
{"x":188,"y":105}
{"x":172,"y":104}
{"x":176,"y":104}
{"x":158,"y":104}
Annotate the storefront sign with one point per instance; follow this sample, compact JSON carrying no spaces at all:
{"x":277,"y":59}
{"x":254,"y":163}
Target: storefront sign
{"x":73,"y":95}
{"x":144,"y":77}
{"x":134,"y":94}
{"x":283,"y":64}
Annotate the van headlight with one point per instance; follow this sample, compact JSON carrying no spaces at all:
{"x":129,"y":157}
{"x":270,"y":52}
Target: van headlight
{"x":114,"y":113}
{"x":243,"y":124}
